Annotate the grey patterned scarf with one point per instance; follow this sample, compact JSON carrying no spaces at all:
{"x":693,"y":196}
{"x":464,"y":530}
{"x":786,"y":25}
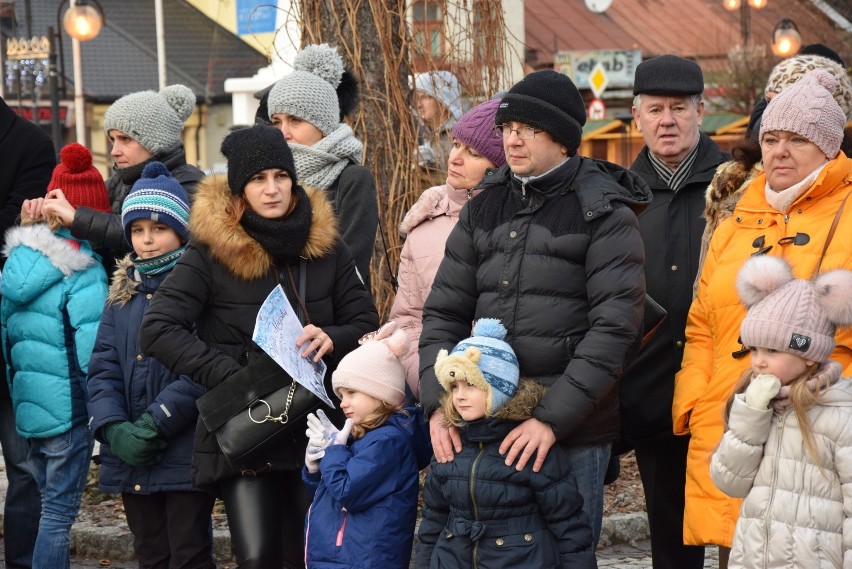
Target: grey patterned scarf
{"x":320,"y":165}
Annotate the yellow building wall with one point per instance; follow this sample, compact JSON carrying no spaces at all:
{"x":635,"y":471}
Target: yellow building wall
{"x":224,"y":13}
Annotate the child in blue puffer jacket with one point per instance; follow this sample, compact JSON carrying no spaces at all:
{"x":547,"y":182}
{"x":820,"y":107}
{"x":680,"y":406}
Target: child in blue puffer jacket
{"x":478,"y":511}
{"x":54,"y":288}
{"x":142,"y":413}
{"x":366,"y":486}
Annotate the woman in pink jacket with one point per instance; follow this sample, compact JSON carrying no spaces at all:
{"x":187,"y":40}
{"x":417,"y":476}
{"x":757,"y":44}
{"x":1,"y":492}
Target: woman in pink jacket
{"x":476,"y":148}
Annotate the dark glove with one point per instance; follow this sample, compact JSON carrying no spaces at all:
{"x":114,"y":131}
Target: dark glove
{"x":137,"y":446}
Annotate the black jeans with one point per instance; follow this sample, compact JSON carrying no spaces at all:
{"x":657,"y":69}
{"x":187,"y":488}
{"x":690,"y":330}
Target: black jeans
{"x":266,"y":517}
{"x":662,"y":467}
{"x":22,"y":510}
{"x":171,"y":530}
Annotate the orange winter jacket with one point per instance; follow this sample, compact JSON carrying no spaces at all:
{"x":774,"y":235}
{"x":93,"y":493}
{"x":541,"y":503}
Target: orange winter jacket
{"x":709,"y":372}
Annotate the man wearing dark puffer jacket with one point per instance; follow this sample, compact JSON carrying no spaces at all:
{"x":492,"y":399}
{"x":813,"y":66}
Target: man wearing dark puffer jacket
{"x":143,"y":127}
{"x":553,"y":250}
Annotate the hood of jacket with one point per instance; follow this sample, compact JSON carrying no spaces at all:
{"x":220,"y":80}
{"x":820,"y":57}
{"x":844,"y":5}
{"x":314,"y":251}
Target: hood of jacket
{"x":597,"y":183}
{"x":517,"y":409}
{"x":411,"y":422}
{"x":65,"y":253}
{"x":435,"y":202}
{"x":125,"y":282}
{"x":725,"y":190}
{"x":211,"y":224}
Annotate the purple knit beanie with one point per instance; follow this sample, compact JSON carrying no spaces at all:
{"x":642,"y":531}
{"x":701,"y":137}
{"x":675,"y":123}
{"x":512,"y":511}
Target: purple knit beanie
{"x":808,"y":108}
{"x":476,"y":129}
{"x":791,"y":315}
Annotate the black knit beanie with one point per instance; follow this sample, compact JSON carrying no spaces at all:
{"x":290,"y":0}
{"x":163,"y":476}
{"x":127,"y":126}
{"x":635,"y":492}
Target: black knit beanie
{"x":549,"y":101}
{"x":669,"y":75}
{"x":253,"y":149}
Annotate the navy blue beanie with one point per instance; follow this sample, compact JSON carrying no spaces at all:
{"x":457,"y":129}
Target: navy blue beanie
{"x":159,"y":197}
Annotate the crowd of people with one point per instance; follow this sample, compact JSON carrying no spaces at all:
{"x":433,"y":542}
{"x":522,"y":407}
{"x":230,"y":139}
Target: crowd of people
{"x":519,"y":359}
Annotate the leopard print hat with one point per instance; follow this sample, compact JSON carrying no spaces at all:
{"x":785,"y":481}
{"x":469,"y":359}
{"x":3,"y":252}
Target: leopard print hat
{"x":792,"y":69}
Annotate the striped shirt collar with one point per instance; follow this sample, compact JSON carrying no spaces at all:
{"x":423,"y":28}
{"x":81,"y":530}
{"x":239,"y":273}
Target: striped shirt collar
{"x":674,"y":180}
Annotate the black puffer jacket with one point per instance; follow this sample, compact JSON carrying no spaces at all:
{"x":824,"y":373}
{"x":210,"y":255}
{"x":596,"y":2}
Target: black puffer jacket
{"x":671,"y":229}
{"x":217,"y":287}
{"x":559,"y":261}
{"x":480,"y":512}
{"x":104,"y":230}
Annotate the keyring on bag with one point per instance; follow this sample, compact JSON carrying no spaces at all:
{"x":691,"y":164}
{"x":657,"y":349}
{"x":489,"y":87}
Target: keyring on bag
{"x":282,"y":418}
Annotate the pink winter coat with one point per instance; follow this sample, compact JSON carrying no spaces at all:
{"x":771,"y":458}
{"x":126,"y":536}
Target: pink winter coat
{"x":427,"y":224}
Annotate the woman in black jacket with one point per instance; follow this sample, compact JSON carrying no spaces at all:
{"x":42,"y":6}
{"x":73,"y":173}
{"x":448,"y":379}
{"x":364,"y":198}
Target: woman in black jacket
{"x":142,"y":127}
{"x":252,"y":230}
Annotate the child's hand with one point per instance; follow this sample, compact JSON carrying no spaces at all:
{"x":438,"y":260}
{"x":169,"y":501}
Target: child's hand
{"x":313,"y":454}
{"x":321,"y":431}
{"x":343,"y":434}
{"x":761,"y":390}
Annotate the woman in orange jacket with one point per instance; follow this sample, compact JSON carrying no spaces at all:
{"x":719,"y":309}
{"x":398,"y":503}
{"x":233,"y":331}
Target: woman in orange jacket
{"x":795,"y":210}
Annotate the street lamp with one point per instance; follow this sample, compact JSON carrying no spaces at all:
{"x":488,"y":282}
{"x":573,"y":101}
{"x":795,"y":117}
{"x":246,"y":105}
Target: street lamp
{"x":743,"y":7}
{"x":786,"y":39}
{"x":83,"y":22}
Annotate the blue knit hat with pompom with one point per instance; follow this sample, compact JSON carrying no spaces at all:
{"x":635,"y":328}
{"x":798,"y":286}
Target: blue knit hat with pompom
{"x":498,"y":363}
{"x":159,"y":197}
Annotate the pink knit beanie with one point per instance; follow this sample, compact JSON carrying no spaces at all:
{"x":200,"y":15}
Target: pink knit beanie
{"x":374,"y":367}
{"x":476,"y":129}
{"x":791,"y":315}
{"x":789,"y":71}
{"x":807,"y":108}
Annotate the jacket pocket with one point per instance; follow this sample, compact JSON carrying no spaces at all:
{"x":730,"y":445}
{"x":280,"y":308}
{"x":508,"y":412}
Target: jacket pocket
{"x":532,"y":549}
{"x":342,"y":531}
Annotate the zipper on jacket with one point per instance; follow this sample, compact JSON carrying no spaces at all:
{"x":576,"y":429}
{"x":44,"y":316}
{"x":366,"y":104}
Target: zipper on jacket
{"x":342,"y":530}
{"x":782,"y":420}
{"x":473,"y":497}
{"x":786,"y":218}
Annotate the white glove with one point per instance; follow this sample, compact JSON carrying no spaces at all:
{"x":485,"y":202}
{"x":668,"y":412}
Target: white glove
{"x":322,"y":432}
{"x":343,"y":434}
{"x":761,"y":390}
{"x":312,"y":458}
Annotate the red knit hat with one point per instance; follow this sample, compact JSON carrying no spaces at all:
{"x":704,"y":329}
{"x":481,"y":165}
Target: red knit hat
{"x":81,"y":183}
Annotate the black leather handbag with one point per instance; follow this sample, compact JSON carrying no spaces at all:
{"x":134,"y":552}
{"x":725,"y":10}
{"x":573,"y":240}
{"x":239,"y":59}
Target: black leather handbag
{"x":255,"y":407}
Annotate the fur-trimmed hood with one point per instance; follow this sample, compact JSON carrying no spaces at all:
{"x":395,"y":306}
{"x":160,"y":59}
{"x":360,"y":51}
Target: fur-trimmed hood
{"x":61,"y":251}
{"x":123,"y":286}
{"x":27,"y":279}
{"x":211,"y":224}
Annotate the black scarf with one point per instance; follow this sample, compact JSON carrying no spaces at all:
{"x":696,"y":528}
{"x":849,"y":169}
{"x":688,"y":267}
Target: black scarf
{"x":284,"y":239}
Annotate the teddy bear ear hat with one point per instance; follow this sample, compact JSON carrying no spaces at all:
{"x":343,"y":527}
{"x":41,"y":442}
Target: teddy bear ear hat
{"x":793,"y":315}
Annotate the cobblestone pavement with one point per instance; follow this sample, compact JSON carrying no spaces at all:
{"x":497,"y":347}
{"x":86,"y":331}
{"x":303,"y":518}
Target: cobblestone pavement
{"x":614,"y":557}
{"x":639,"y":556}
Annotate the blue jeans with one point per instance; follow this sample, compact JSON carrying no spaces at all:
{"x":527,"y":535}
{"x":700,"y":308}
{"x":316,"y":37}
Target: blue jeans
{"x":589,"y":464}
{"x":60,"y":465}
{"x":23,"y":501}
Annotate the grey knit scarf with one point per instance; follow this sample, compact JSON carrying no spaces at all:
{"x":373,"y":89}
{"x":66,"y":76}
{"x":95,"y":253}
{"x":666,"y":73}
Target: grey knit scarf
{"x":321,"y":164}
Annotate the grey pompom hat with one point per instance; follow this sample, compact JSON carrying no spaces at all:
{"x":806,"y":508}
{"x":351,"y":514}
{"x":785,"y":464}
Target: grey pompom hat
{"x":154,"y":120}
{"x":310,"y":91}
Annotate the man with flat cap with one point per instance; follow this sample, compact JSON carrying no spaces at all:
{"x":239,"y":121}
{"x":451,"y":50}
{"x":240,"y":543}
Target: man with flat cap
{"x":677,"y":162}
{"x":551,"y":247}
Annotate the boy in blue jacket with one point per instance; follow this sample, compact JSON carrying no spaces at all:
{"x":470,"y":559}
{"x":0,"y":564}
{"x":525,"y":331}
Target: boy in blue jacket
{"x":366,"y":485}
{"x":142,"y":413}
{"x":53,"y":292}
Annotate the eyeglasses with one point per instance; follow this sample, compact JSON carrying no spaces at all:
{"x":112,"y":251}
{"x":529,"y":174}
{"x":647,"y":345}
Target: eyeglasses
{"x":524,"y":133}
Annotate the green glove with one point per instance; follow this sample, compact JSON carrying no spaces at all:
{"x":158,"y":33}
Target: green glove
{"x":146,"y":421}
{"x":137,"y":446}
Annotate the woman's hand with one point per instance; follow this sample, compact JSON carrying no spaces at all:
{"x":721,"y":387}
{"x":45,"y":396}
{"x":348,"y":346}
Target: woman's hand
{"x":58,"y":204}
{"x":315,"y":340}
{"x":32,"y":209}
